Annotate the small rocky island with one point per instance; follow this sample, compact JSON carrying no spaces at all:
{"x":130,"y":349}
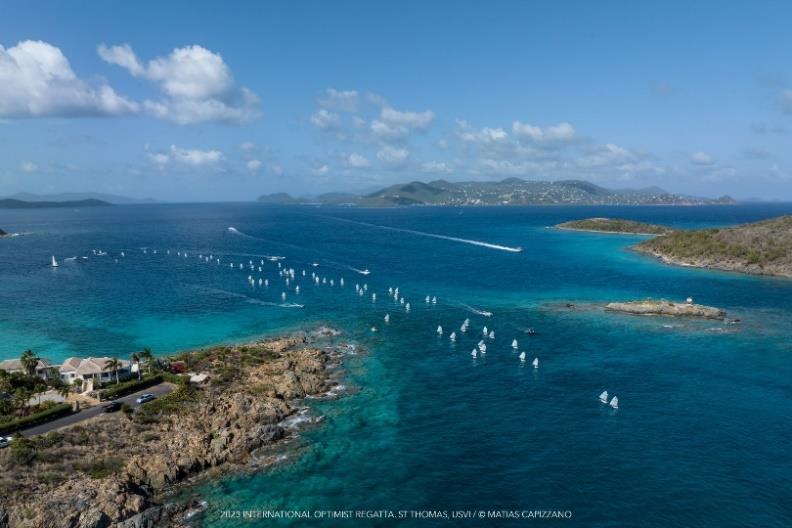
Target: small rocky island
{"x":3,"y":233}
{"x":615,"y":225}
{"x":666,"y":308}
{"x":119,"y":469}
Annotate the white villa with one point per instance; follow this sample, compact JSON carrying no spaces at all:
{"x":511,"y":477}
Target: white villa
{"x":92,"y":369}
{"x":44,"y":368}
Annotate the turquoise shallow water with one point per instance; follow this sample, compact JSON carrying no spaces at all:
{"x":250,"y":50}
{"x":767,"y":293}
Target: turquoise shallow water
{"x":701,"y":438}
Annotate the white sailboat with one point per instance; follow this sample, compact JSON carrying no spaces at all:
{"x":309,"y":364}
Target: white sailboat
{"x":522,"y":357}
{"x":373,"y":297}
{"x":473,"y":353}
{"x":492,"y":334}
{"x":614,"y":403}
{"x":483,"y":348}
{"x":514,"y":344}
{"x":439,"y":330}
{"x":387,"y":318}
{"x":535,"y":363}
{"x":452,"y":337}
{"x":407,"y":307}
{"x":428,"y":300}
{"x":283,"y":296}
{"x":54,"y":262}
{"x":604,"y":397}
{"x":484,"y":332}
{"x":434,"y":300}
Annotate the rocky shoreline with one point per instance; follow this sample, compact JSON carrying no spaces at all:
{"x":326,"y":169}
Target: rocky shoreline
{"x":703,"y":262}
{"x":666,"y":308}
{"x":119,"y":469}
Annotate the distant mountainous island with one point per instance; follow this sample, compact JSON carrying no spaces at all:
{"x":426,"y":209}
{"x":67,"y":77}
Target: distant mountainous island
{"x":10,"y":203}
{"x":759,"y":248}
{"x":511,"y":191}
{"x":79,"y":196}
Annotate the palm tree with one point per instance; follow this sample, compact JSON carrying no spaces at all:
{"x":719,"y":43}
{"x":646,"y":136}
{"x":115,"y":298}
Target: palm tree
{"x":148,"y":357}
{"x":113,"y":364}
{"x":29,"y":362}
{"x":136,"y":360}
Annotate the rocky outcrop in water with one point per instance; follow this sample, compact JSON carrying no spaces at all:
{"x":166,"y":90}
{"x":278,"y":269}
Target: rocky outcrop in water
{"x":111,"y":470}
{"x":666,"y":308}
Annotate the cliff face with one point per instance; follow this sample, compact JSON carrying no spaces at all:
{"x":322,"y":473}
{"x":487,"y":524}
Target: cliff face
{"x":109,"y":470}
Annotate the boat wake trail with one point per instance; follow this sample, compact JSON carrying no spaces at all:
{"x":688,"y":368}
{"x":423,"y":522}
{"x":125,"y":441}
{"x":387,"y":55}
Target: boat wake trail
{"x":247,"y":299}
{"x":361,"y":271}
{"x":434,"y":235}
{"x":476,"y":311}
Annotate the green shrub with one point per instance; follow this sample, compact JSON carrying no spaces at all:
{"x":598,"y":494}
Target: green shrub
{"x":56,"y":411}
{"x":128,"y":387}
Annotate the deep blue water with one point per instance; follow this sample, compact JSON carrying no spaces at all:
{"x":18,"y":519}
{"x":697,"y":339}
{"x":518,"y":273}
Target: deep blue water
{"x":702,"y":437}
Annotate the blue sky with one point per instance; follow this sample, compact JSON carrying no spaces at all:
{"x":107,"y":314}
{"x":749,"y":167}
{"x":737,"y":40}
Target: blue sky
{"x":210,"y":101}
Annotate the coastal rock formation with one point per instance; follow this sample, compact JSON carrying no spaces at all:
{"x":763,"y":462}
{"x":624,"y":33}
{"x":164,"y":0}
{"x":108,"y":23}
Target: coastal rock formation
{"x":109,"y":471}
{"x":2,"y":233}
{"x":761,"y":248}
{"x":668,"y":308}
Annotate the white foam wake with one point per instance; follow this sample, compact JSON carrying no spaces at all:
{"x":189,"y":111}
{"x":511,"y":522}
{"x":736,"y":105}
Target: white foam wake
{"x":485,"y":313}
{"x":435,"y":235}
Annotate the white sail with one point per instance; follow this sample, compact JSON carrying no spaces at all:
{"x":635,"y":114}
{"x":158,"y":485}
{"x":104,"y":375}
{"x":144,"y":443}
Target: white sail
{"x":407,"y":307}
{"x":484,"y":332}
{"x":439,"y":330}
{"x":54,"y":262}
{"x":522,"y":357}
{"x":514,"y":343}
{"x":492,"y":334}
{"x":535,"y":363}
{"x":604,"y":397}
{"x":614,"y":402}
{"x":427,"y":299}
{"x":373,"y":297}
{"x":483,"y":348}
{"x":387,"y":318}
{"x":473,"y":353}
{"x":452,"y":336}
{"x":434,"y":300}
{"x":283,"y":296}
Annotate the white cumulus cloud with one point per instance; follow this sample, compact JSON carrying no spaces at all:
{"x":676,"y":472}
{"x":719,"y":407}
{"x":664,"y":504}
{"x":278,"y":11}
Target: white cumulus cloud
{"x":554,"y":133}
{"x":417,"y":120}
{"x":36,"y":80}
{"x":701,"y":158}
{"x":393,"y":155}
{"x":198,"y":85}
{"x":28,"y":166}
{"x":254,"y":165}
{"x":343,"y":100}
{"x":324,"y":120}
{"x":191,"y":157}
{"x":357,"y":161}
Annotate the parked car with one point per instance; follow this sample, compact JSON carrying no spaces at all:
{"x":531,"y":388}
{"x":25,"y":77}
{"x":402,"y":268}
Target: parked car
{"x":112,"y":407}
{"x":145,"y":398}
{"x":5,"y":440}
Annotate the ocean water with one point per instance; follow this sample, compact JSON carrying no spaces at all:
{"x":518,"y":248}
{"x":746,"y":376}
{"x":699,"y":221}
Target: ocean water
{"x":701,"y":438}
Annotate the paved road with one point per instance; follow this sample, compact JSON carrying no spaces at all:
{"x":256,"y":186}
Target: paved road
{"x":157,"y":390}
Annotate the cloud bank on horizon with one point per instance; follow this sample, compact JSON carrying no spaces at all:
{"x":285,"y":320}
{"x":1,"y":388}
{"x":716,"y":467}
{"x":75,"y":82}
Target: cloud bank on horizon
{"x":175,"y":122}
